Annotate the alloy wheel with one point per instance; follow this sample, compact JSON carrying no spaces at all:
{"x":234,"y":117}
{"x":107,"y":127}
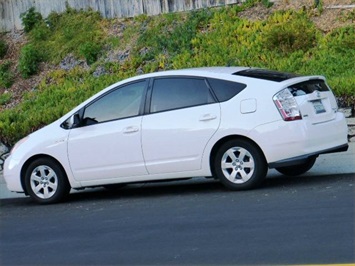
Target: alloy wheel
{"x":237,"y":165}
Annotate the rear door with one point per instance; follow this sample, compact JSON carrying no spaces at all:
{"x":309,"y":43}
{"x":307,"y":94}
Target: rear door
{"x":183,"y":116}
{"x":315,"y":99}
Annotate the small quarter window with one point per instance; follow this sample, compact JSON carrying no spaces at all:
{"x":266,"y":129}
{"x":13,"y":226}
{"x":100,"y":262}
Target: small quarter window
{"x":225,"y":89}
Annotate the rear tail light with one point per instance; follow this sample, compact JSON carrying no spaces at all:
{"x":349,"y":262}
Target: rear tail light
{"x":287,"y":105}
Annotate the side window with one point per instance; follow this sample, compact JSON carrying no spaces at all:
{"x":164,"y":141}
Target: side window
{"x":119,"y":103}
{"x":175,"y":93}
{"x":225,"y":89}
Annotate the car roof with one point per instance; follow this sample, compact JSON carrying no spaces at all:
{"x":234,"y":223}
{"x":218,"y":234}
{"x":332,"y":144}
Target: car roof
{"x":199,"y":71}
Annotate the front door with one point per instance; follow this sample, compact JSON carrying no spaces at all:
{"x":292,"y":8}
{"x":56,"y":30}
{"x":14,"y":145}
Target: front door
{"x":108,"y":144}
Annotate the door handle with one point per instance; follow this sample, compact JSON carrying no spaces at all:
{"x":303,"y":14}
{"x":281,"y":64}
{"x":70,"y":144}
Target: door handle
{"x":207,"y":117}
{"x":130,"y":129}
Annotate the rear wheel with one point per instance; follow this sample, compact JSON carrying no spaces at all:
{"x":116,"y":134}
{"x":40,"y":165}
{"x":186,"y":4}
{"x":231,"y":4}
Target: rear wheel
{"x":46,"y":182}
{"x":299,"y":169}
{"x":239,"y":165}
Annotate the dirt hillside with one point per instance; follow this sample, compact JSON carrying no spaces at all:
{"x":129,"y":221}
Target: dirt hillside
{"x":329,"y":15}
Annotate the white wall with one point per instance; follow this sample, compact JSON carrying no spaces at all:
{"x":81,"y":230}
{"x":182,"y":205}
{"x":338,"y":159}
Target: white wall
{"x":10,"y":10}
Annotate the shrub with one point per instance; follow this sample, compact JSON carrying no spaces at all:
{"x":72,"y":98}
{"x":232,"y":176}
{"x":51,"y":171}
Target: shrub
{"x":52,"y":20}
{"x":5,"y":98}
{"x":341,"y":39}
{"x":290,"y":33}
{"x":40,"y":32}
{"x":29,"y":60}
{"x":6,"y":77}
{"x":70,"y":32}
{"x":90,"y":51}
{"x":30,"y":19}
{"x":170,"y":33}
{"x":3,"y":48}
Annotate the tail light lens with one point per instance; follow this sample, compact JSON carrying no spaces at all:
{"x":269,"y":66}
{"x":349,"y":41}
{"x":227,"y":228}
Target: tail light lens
{"x":287,"y":105}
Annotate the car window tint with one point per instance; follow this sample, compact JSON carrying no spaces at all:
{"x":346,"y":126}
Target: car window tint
{"x":225,"y":89}
{"x":174,"y":93}
{"x":120,"y":103}
{"x":307,"y":87}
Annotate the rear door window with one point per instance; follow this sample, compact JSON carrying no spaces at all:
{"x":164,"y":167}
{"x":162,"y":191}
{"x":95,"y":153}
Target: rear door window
{"x":175,"y":93}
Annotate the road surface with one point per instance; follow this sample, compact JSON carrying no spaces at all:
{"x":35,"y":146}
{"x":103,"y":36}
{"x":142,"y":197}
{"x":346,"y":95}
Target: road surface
{"x":290,"y":220}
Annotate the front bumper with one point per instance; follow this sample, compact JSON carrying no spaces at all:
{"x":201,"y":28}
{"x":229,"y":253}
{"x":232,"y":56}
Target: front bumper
{"x":12,"y":175}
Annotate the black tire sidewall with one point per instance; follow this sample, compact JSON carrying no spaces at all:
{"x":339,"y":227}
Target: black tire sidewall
{"x":63,"y":184}
{"x":260,"y":169}
{"x":297,"y":170}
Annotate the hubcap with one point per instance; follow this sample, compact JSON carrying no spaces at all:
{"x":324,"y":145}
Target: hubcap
{"x":44,"y":181}
{"x":237,"y":165}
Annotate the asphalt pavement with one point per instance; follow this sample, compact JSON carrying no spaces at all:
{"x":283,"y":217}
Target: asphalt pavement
{"x":289,"y":220}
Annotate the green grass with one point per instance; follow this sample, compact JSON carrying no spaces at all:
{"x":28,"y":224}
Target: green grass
{"x":5,"y":98}
{"x":6,"y":76}
{"x":286,"y":41}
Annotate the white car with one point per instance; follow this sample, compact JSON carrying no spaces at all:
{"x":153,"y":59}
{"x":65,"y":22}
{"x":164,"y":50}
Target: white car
{"x":230,"y":123}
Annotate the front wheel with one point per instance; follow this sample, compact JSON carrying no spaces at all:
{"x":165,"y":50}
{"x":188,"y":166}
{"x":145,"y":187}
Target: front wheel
{"x":299,"y":169}
{"x":240,"y":165}
{"x":46,"y":181}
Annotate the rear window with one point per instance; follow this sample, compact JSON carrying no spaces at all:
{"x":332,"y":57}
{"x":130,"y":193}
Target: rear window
{"x":224,"y":89}
{"x":308,"y":87}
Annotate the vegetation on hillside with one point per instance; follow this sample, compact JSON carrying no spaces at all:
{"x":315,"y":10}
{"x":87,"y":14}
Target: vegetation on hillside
{"x":286,"y":41}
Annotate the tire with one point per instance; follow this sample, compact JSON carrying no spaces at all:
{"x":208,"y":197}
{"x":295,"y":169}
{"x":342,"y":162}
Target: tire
{"x":240,"y":165}
{"x":299,"y":169}
{"x":46,"y":181}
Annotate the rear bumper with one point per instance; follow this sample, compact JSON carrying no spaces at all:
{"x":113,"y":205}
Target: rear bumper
{"x":303,"y":158}
{"x":291,"y":143}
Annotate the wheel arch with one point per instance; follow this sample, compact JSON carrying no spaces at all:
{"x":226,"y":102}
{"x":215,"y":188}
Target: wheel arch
{"x":32,"y":159}
{"x":225,"y":139}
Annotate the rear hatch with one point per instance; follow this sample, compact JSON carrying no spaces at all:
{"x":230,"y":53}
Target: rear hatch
{"x":315,"y":99}
{"x":312,"y":98}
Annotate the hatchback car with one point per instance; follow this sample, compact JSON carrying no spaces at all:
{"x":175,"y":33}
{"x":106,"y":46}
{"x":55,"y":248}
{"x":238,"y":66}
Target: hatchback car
{"x":230,"y":123}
